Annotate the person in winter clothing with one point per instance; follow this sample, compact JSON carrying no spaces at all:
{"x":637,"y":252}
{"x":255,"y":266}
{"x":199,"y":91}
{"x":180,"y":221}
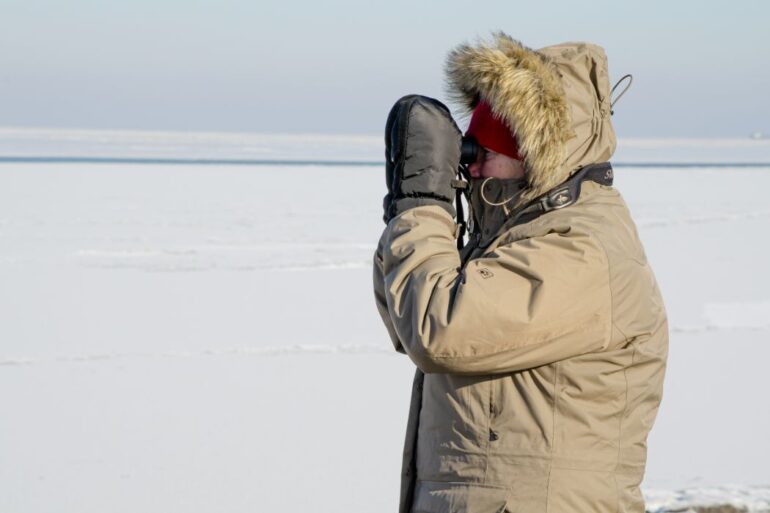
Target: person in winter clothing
{"x":540,"y":346}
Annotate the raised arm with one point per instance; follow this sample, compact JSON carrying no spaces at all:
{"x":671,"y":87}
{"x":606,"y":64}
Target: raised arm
{"x":526,"y":304}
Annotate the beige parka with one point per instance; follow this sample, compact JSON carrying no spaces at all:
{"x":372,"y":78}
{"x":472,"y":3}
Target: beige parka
{"x":541,"y":348}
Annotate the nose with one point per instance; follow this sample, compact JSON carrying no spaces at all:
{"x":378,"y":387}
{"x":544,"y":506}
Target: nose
{"x":475,"y":169}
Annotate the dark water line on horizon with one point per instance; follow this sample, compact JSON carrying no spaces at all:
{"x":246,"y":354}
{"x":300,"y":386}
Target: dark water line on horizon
{"x":325,"y":163}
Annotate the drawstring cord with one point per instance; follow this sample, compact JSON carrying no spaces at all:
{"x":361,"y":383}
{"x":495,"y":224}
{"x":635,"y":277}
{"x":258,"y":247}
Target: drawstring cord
{"x":630,"y":78}
{"x":491,"y":204}
{"x":460,"y":187}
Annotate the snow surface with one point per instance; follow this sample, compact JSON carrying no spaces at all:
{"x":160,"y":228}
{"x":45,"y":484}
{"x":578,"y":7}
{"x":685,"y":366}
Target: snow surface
{"x":200,"y":338}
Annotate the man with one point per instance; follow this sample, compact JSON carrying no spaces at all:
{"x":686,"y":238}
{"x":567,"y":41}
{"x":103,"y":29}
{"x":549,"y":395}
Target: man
{"x":541,"y":346}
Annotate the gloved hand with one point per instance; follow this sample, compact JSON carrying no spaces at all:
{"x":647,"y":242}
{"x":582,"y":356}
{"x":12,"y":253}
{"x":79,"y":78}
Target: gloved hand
{"x":422,"y":154}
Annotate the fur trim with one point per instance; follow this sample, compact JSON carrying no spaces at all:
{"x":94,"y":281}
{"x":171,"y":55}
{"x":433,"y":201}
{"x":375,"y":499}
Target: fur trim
{"x":524,"y":89}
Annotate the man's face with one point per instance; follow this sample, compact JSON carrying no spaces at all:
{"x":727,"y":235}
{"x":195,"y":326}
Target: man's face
{"x":497,"y":165}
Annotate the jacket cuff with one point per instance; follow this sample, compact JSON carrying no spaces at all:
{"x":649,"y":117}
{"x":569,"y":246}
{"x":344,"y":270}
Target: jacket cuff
{"x":403,"y":204}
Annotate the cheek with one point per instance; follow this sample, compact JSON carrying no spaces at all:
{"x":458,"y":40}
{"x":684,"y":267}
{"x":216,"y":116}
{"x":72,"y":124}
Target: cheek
{"x":502,"y":169}
{"x":492,"y":168}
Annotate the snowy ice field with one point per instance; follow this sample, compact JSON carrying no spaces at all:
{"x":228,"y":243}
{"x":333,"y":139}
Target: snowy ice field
{"x":204,"y":338}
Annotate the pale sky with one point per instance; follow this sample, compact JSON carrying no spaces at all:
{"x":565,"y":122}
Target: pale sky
{"x":701,"y":68}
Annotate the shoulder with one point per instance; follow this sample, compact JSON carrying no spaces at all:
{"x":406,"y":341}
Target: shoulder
{"x":585,"y":218}
{"x":599,"y":220}
{"x":601,"y":213}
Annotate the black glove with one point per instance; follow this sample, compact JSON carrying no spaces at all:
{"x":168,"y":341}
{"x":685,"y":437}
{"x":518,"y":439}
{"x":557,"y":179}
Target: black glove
{"x":422,"y":154}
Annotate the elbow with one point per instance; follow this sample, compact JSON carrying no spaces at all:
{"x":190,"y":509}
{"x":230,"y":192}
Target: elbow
{"x":429,"y":364}
{"x":420,"y":352}
{"x":437,"y":348}
{"x":430,"y":361}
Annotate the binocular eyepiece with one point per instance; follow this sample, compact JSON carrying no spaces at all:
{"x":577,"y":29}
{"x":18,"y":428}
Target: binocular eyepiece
{"x":469,"y":151}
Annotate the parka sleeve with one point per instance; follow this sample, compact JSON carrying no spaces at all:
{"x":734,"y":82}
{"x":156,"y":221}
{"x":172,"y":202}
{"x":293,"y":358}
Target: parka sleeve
{"x":528,"y":303}
{"x":379,"y":298}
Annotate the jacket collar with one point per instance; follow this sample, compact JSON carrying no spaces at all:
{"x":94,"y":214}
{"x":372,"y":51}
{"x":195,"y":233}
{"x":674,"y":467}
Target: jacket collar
{"x":491,"y":202}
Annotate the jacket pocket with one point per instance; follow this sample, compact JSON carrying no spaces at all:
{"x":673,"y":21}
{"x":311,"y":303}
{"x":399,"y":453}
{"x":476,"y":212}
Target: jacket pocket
{"x":459,"y":497}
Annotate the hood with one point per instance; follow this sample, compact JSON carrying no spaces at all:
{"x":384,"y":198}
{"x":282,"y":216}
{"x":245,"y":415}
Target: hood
{"x":556,"y":100}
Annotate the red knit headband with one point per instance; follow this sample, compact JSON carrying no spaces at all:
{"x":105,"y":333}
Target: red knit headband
{"x":491,"y":132}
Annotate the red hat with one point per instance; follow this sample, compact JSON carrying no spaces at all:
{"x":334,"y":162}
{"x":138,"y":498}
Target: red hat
{"x":491,"y":132}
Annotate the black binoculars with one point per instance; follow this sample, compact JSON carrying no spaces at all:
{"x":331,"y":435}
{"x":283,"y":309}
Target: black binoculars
{"x":469,"y":151}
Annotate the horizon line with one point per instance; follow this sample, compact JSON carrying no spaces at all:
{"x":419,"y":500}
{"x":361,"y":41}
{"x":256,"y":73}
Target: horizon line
{"x":756,"y":136}
{"x":302,"y":163}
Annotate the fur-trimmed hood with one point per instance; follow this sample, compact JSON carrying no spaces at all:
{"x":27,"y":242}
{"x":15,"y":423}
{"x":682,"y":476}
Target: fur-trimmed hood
{"x":556,"y":101}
